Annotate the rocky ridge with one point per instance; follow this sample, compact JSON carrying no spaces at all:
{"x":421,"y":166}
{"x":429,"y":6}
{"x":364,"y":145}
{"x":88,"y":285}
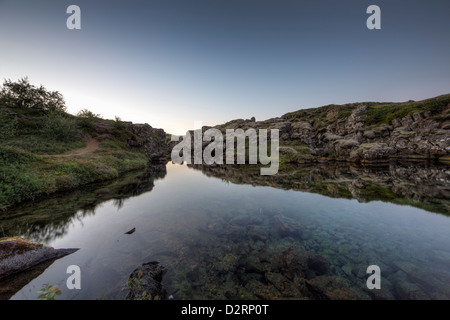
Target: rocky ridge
{"x":361,"y":132}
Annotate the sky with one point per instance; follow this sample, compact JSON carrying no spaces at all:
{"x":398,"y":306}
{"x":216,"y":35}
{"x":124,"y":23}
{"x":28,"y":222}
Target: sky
{"x":170,"y":63}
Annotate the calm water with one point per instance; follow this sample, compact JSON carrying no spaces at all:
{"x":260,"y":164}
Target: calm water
{"x":220,"y":240}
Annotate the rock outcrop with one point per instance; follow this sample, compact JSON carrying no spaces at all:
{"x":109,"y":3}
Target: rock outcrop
{"x":363,"y":132}
{"x":152,"y":141}
{"x":18,"y":254}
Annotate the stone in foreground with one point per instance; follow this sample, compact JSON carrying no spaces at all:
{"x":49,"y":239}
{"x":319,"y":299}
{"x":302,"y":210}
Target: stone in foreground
{"x":145,"y":282}
{"x":18,"y":254}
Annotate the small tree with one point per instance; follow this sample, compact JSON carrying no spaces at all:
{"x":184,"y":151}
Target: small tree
{"x":118,"y":123}
{"x":85,"y":113}
{"x":23,"y":94}
{"x":86,"y":118}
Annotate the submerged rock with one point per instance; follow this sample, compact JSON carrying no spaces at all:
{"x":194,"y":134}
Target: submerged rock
{"x":298,"y":262}
{"x":145,"y":282}
{"x":287,"y":227}
{"x":334,"y":288}
{"x":18,"y":254}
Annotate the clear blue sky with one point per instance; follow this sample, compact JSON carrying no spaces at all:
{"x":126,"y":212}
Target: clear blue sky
{"x":172,"y":62}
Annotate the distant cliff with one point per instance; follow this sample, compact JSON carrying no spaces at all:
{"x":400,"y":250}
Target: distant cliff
{"x":368,"y":132}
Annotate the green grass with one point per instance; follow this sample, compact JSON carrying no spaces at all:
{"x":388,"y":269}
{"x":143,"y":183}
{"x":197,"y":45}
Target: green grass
{"x":31,"y":165}
{"x":376,"y":113}
{"x":290,"y":151}
{"x":385,"y":113}
{"x":25,"y":176}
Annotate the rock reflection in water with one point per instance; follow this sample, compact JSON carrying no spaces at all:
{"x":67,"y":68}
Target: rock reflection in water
{"x":417,"y":184}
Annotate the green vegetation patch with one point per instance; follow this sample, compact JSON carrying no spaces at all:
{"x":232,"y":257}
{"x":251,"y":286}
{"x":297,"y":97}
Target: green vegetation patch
{"x":36,"y":134}
{"x":385,"y":113}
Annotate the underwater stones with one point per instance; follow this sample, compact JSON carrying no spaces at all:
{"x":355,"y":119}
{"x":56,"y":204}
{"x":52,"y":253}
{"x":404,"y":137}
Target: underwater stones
{"x":258,"y":233}
{"x":334,"y":288}
{"x":196,"y":276}
{"x":19,"y":254}
{"x":227,"y":264}
{"x":145,"y":282}
{"x":347,"y":269}
{"x":270,"y":256}
{"x":411,"y":269}
{"x":276,"y":279}
{"x":296,"y":261}
{"x":234,"y":233}
{"x":318,"y":264}
{"x":253,"y":264}
{"x":245,"y":220}
{"x":263,"y":291}
{"x":287,"y":227}
{"x":404,"y":288}
{"x":286,"y":287}
{"x":385,"y":293}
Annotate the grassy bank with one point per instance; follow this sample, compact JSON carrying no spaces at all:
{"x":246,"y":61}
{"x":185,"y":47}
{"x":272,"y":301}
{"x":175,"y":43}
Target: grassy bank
{"x":45,"y":150}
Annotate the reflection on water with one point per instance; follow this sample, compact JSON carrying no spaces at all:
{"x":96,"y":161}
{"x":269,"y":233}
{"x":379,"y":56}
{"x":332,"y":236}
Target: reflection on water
{"x":228,"y":233}
{"x":49,"y":219}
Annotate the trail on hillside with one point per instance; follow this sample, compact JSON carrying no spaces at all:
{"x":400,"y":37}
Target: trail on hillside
{"x":91,"y":146}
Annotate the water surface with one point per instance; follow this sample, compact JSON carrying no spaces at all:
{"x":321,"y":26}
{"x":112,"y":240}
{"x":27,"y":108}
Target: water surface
{"x":215,"y":230}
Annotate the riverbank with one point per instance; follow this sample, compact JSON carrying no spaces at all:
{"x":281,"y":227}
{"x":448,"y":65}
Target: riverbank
{"x":43,"y":152}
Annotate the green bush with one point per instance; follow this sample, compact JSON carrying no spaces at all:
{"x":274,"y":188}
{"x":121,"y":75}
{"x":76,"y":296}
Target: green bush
{"x":86,"y":118}
{"x":8,"y":124}
{"x":60,"y":127}
{"x":118,"y":123}
{"x":24,"y":94}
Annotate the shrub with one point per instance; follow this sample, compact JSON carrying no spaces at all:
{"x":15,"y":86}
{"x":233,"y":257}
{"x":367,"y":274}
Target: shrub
{"x":23,"y":94}
{"x":8,"y":124}
{"x":118,"y":123}
{"x":60,"y":127}
{"x":86,"y":118}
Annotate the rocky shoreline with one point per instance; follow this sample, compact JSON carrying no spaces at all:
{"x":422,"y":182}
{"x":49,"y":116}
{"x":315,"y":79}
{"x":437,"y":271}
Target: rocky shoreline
{"x":367,"y":133}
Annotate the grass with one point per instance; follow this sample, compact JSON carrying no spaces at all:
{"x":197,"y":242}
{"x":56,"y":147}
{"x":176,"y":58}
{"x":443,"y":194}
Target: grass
{"x":31,"y":166}
{"x":385,"y":113}
{"x":24,"y":176}
{"x":376,"y":113}
{"x":290,"y":151}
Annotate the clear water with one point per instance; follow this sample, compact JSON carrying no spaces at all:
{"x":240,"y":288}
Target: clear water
{"x":211,"y":235}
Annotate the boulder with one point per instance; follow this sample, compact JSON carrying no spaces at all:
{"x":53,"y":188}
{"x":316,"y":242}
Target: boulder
{"x":144,"y":282}
{"x":19,"y":254}
{"x":287,"y":227}
{"x":371,"y":152}
{"x":296,"y":261}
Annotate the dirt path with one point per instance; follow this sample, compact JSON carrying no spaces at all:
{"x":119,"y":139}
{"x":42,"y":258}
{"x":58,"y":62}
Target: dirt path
{"x":91,"y":146}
